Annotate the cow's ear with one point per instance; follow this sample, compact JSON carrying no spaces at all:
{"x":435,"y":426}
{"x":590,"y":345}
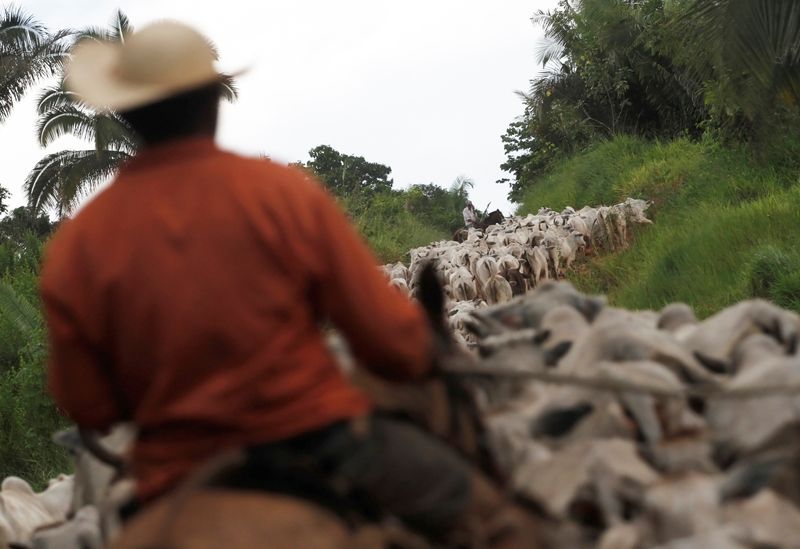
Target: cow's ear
{"x":712,"y":364}
{"x":68,"y":438}
{"x":552,"y":356}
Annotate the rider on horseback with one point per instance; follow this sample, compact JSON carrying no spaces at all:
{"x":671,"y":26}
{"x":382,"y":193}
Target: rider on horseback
{"x":187,"y":298}
{"x":470,"y":215}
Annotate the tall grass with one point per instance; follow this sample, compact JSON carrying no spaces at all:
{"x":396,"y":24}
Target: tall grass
{"x":28,"y":416}
{"x":725,"y":227}
{"x":389,"y":228}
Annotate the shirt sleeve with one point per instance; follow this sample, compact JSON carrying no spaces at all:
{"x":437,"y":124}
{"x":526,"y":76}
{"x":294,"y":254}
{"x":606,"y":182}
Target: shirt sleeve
{"x":78,"y":377}
{"x":387,"y":332}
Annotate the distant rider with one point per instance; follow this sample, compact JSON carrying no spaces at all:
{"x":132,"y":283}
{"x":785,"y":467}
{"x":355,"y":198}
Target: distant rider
{"x":470,"y":216}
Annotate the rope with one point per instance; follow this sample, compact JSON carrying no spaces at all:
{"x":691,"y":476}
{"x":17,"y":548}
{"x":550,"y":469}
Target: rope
{"x":621,"y":386}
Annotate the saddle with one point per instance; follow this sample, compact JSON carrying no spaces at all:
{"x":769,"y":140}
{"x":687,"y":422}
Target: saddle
{"x":232,"y":502}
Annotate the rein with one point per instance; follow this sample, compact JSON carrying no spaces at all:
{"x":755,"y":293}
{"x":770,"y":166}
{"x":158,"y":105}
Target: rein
{"x":619,"y":386}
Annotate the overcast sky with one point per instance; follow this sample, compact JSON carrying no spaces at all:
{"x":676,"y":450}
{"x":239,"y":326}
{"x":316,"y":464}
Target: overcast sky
{"x":425,"y":87}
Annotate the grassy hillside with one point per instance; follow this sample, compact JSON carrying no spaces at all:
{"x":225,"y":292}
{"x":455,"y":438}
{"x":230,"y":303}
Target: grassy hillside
{"x":726,"y":225}
{"x":390,"y":229}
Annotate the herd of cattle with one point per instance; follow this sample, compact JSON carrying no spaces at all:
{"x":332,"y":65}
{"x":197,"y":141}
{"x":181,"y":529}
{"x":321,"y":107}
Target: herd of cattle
{"x":514,"y":256}
{"x":629,"y":429}
{"x":647,"y":428}
{"x":625,"y":429}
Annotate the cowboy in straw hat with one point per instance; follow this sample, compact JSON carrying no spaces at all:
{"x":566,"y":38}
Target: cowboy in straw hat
{"x":187,"y":296}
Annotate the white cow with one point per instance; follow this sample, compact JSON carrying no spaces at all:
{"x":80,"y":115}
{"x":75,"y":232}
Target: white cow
{"x":22,"y":510}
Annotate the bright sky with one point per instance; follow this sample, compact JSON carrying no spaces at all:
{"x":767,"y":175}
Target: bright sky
{"x":426,"y":87}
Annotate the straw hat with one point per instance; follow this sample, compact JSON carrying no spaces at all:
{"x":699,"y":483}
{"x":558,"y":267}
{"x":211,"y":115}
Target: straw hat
{"x":161,"y":60}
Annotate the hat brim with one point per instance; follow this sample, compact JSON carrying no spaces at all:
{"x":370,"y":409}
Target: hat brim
{"x":91,"y":74}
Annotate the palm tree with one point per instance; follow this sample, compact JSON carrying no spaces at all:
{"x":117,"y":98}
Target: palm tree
{"x":460,"y":188}
{"x":754,"y":47}
{"x":27,"y":53}
{"x":19,"y":312}
{"x":61,"y":180}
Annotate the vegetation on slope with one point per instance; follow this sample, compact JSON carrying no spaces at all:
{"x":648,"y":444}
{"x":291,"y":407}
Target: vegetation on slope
{"x":28,"y":417}
{"x":726,"y":225}
{"x":392,"y":221}
{"x":659,"y":69}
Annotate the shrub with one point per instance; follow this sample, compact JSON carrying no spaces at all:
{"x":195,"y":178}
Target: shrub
{"x":769,"y":266}
{"x":28,"y":418}
{"x":786,"y":291}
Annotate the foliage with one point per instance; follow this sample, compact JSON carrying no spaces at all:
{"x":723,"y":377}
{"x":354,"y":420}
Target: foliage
{"x":392,"y":221}
{"x":347,"y":175}
{"x":438,"y":206}
{"x":28,"y":416}
{"x":769,"y":266}
{"x":725,"y":223}
{"x":21,"y":224}
{"x":750,"y":52}
{"x":727,"y":69}
{"x":4,"y":195}
{"x":28,"y":53}
{"x":388,"y":227}
{"x":28,"y":419}
{"x":607,"y":71}
{"x":61,"y":180}
{"x":774,"y":276}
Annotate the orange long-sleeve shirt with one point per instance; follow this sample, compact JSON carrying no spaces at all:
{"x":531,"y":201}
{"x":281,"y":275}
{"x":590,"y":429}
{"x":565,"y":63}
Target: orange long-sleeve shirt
{"x":187,"y":297}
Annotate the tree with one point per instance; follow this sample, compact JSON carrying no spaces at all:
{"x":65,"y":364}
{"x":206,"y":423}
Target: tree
{"x":608,"y":67}
{"x":749,"y":56}
{"x":61,"y":180}
{"x":27,"y":53}
{"x":4,"y":195}
{"x":348,"y":176}
{"x":24,"y":221}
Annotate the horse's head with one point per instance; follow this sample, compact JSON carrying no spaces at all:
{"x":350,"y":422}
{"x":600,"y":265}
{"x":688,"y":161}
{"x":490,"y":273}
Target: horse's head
{"x":465,"y":428}
{"x":497,"y":216}
{"x":431,"y":296}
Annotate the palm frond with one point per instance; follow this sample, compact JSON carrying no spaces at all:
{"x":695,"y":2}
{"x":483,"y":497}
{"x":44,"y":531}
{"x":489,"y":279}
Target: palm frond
{"x":111,"y":133}
{"x":549,"y":50}
{"x":106,"y":130}
{"x":52,"y":97}
{"x":755,"y":46}
{"x":228,"y":89}
{"x":65,"y":120}
{"x":19,"y":311}
{"x":120,"y":27}
{"x":19,"y":30}
{"x":97,"y":34}
{"x":23,"y":65}
{"x":60,"y":180}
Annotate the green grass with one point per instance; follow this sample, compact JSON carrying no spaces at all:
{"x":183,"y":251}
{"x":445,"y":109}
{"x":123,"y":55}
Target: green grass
{"x":726,"y":226}
{"x":391,"y":239}
{"x":390,"y":229}
{"x":28,"y":416}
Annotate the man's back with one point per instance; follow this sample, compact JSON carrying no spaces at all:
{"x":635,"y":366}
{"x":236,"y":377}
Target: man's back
{"x":188,"y":295}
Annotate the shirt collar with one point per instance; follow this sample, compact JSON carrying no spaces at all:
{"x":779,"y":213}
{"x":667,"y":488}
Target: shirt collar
{"x":172,"y":151}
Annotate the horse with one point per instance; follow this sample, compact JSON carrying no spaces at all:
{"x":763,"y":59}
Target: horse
{"x":493,"y":218}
